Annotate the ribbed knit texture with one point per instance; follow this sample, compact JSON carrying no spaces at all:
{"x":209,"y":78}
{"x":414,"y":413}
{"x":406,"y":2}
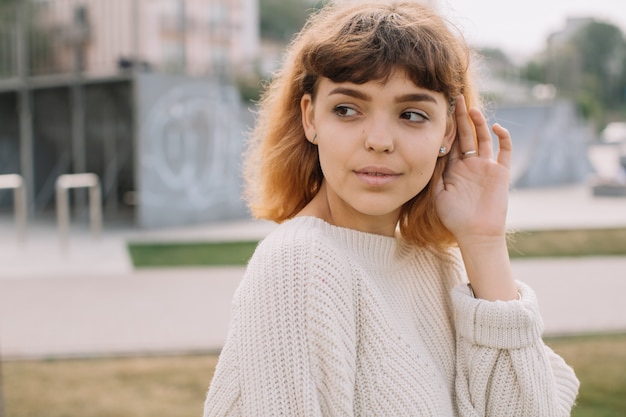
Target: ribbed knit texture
{"x":330,"y":321}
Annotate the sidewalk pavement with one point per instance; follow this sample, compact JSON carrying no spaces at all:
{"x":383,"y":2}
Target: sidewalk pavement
{"x":89,"y":301}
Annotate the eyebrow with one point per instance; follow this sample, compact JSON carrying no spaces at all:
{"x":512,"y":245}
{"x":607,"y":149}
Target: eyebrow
{"x":416,"y":97}
{"x":350,"y":92}
{"x":401,"y":99}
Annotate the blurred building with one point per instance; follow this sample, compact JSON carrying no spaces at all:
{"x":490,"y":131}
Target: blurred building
{"x":196,"y":37}
{"x":140,"y":92}
{"x":572,"y":26}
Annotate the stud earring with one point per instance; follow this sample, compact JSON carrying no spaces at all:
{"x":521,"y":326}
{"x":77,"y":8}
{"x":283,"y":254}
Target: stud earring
{"x":442,"y":150}
{"x":314,"y":138}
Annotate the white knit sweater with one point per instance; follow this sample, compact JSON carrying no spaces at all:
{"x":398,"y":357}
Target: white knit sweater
{"x":330,"y":321}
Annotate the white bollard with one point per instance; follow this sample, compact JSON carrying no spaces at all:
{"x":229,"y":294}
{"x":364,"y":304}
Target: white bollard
{"x":15,"y":182}
{"x":63,"y":184}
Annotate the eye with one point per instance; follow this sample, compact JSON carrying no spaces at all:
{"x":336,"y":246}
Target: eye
{"x":344,"y":111}
{"x":414,"y":116}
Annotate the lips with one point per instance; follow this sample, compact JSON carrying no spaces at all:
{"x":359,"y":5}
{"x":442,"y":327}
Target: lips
{"x":376,"y":176}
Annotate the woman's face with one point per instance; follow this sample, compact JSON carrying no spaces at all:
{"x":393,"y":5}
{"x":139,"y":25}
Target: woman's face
{"x":378,"y":144}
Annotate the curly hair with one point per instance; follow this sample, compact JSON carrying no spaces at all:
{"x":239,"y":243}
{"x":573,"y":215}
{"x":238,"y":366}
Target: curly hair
{"x":351,"y":42}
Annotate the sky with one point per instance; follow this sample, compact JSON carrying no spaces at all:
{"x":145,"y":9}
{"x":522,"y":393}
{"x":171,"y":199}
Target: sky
{"x":521,"y":27}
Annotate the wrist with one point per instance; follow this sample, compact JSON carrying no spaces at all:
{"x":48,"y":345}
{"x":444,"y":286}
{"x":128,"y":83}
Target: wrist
{"x":482,"y":241}
{"x":488,"y":267}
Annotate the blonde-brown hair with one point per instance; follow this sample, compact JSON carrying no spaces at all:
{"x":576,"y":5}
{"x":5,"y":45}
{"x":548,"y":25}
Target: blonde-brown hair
{"x":356,"y":42}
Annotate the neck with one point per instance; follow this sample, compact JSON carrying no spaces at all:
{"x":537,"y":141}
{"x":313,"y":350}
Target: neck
{"x":337,"y":213}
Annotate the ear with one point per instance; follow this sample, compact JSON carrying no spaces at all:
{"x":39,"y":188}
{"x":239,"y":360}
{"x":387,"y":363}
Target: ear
{"x":450,"y":134}
{"x":308,"y":119}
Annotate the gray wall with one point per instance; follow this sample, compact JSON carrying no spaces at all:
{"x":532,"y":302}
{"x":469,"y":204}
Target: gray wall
{"x":189,"y":151}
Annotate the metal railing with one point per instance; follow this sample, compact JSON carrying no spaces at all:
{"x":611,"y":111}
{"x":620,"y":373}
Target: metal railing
{"x":69,"y":181}
{"x":15,"y":182}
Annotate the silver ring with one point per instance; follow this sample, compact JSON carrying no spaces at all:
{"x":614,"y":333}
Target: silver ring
{"x":469,"y":154}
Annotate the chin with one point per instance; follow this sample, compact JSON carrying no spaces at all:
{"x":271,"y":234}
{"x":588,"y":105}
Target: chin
{"x":377,"y":210}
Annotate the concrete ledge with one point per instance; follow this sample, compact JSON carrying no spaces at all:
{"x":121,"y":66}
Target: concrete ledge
{"x":609,"y":189}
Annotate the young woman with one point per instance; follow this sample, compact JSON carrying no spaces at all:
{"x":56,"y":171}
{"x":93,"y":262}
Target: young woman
{"x":371,"y":153}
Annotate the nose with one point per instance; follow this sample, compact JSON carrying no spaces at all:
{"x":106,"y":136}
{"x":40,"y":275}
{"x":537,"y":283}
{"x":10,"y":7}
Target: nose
{"x":378,"y":137}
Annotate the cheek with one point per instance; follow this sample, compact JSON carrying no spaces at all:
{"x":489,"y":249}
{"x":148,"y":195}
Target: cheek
{"x":424,"y":167}
{"x":425,"y":157}
{"x":435,"y":169}
{"x":334,"y":154}
{"x":331,"y":160}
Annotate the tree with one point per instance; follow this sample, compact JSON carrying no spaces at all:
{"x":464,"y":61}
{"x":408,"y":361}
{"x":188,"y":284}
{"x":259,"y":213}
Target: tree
{"x":588,"y":67}
{"x":498,"y":62}
{"x":19,"y":20}
{"x":534,"y":71}
{"x":602,"y":58}
{"x":281,"y":19}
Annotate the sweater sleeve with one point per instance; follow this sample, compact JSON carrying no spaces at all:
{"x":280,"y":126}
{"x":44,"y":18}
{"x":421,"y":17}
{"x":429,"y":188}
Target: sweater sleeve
{"x":503,"y":366}
{"x":291,"y":350}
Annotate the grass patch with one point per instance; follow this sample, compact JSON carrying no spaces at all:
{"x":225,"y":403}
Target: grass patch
{"x":523,"y":244}
{"x":176,"y":386}
{"x":562,"y":243}
{"x":599,"y":362}
{"x":191,"y":254}
{"x":129,"y":387}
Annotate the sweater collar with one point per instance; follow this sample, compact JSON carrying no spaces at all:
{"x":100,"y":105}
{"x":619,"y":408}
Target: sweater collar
{"x":384,"y":251}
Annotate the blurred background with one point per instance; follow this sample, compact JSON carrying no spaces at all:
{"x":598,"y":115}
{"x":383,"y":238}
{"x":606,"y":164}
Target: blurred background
{"x":122,"y":228}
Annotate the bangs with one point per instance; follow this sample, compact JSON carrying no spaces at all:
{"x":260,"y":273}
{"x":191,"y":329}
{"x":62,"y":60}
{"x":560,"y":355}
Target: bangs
{"x":371,"y":46}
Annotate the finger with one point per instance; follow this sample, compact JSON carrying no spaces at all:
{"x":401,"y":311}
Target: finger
{"x":505,"y":144}
{"x":483,"y":135}
{"x":465,"y":129}
{"x":455,"y":153}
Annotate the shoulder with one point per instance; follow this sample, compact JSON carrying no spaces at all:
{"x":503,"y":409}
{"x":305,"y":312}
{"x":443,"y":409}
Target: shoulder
{"x":301,"y":238}
{"x":299,"y":252}
{"x":298,"y":272}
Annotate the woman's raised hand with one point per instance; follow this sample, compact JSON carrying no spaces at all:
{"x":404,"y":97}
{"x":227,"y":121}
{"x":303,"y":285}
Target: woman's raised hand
{"x":472,"y":195}
{"x":472,"y":200}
